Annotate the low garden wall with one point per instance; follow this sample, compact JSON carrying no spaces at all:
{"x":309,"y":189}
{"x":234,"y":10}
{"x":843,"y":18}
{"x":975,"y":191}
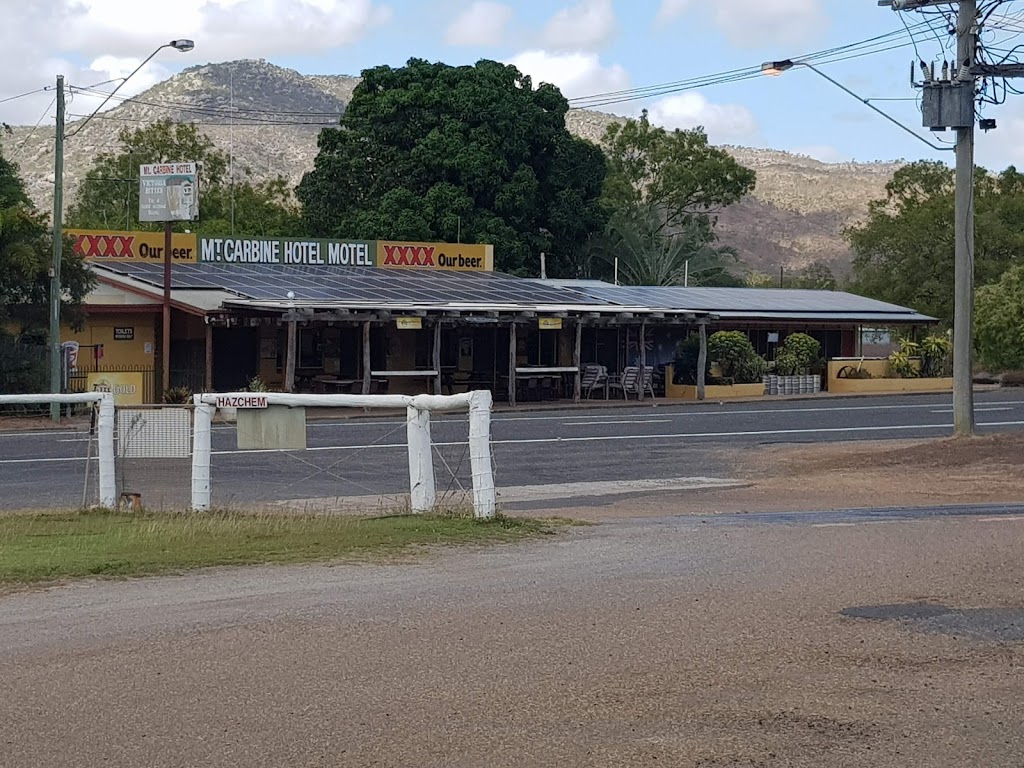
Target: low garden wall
{"x":879,"y":382}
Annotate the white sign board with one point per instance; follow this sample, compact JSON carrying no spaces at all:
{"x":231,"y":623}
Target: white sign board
{"x":242,"y":401}
{"x":169,"y":192}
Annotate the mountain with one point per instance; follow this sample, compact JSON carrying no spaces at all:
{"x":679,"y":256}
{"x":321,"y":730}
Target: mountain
{"x":267,"y":118}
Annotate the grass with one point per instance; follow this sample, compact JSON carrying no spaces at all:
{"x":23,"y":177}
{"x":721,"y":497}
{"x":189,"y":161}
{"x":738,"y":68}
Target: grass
{"x":40,"y":547}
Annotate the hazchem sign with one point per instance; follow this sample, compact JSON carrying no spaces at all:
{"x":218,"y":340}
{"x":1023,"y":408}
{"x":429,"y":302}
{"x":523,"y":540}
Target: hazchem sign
{"x":241,"y":401}
{"x":169,"y":192}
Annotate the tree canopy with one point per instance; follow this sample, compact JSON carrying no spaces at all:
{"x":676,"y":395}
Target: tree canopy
{"x":108,"y":197}
{"x":904,"y":251}
{"x":662,"y":191}
{"x":477,"y":153}
{"x":999,"y":321}
{"x":676,"y":172}
{"x":26,"y":253}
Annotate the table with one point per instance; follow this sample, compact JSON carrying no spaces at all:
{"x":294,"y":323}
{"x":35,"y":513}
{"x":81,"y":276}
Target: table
{"x":431,"y":375}
{"x":532,"y":372}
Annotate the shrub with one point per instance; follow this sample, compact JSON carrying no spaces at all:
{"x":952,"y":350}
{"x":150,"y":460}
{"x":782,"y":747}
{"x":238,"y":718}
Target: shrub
{"x":901,"y":366}
{"x":256,"y":384}
{"x":178,"y":396}
{"x":736,"y":357}
{"x":798,"y":355}
{"x":1012,"y":379}
{"x":684,"y":365}
{"x":935,"y":355}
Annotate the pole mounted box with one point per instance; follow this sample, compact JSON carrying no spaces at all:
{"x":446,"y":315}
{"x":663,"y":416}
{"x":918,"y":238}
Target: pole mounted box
{"x":947,"y":106}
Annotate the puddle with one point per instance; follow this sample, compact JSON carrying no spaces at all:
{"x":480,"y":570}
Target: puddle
{"x":1004,"y":625}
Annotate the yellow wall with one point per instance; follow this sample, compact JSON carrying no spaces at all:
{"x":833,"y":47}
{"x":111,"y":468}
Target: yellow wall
{"x":99,"y":329}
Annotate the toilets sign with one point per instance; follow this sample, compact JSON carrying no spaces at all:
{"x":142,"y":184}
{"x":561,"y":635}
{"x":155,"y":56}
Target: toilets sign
{"x":169,"y":192}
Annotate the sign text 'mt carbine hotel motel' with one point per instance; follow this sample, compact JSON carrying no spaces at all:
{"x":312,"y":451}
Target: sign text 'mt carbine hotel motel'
{"x":101,"y":246}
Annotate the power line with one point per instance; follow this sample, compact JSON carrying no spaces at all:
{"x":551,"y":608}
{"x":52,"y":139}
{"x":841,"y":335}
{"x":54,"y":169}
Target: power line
{"x":21,"y":146}
{"x":27,"y":93}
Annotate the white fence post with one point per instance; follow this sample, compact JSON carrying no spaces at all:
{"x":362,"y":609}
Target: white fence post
{"x":480,"y":453}
{"x":105,"y":438}
{"x":201,"y":432}
{"x":423,"y":493}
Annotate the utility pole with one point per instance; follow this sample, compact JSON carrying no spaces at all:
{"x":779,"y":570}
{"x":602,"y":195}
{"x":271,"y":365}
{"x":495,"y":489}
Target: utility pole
{"x":949,"y":103}
{"x":56,"y":365}
{"x":963,"y":281}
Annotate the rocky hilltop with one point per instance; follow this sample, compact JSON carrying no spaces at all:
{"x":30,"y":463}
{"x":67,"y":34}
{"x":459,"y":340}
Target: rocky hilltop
{"x":267,"y":118}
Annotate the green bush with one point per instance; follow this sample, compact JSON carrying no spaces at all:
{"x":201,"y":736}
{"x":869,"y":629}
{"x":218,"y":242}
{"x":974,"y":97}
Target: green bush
{"x":736,"y":357}
{"x":798,"y":354}
{"x":23,"y":367}
{"x":936,"y":356}
{"x":684,"y":365}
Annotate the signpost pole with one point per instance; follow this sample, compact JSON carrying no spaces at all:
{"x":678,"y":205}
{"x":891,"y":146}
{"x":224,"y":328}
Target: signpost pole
{"x":166,"y":343}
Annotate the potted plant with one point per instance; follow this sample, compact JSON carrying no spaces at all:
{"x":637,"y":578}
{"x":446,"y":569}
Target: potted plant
{"x":737,"y":367}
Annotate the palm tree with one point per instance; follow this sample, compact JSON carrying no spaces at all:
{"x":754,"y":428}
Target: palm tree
{"x":650,"y":254}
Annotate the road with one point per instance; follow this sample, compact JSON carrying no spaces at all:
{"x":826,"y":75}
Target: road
{"x":875,"y":639}
{"x":361,"y":457}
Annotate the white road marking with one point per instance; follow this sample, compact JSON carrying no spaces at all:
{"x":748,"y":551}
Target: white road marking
{"x":1001,"y":519}
{"x":622,"y":421}
{"x":833,"y":525}
{"x":976,"y":410}
{"x":589,"y":439}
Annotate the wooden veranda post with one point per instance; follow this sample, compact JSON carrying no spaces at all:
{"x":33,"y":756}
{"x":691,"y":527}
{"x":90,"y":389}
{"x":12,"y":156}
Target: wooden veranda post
{"x":577,"y":385}
{"x":289,"y":356}
{"x":208,"y":378}
{"x":437,"y":357}
{"x":702,"y":358}
{"x":366,"y":357}
{"x":643,"y":357}
{"x":512,"y":363}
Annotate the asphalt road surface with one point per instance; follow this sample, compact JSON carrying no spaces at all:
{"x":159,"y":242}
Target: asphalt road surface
{"x":361,"y":457}
{"x":874,"y":639}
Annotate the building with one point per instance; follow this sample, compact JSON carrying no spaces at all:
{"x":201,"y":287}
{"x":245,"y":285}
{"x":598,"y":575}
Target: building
{"x":376,"y":316}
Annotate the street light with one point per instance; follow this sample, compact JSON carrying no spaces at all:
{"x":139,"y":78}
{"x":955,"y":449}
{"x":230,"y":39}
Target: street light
{"x":776,"y":68}
{"x":58,"y":211}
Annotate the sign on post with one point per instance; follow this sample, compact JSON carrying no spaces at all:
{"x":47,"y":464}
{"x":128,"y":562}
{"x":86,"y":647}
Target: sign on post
{"x":168,"y":192}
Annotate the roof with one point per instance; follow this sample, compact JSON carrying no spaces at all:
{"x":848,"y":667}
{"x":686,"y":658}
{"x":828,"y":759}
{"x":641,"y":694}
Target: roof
{"x":210,"y":287}
{"x":750,"y":303}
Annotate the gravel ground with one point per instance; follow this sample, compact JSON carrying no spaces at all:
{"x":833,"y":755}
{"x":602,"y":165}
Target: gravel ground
{"x":673,"y":641}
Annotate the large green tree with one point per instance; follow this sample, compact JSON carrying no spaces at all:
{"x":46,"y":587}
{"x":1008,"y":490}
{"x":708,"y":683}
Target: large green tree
{"x":108,"y":197}
{"x":26,"y":254}
{"x":999,"y":321}
{"x":904,"y":251}
{"x":668,"y":186}
{"x":435,"y":152}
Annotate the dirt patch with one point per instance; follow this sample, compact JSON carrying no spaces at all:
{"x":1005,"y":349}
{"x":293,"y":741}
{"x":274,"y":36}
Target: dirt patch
{"x":799,"y":478}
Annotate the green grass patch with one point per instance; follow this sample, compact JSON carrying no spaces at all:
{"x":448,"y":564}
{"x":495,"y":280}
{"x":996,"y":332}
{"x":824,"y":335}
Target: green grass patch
{"x":40,"y":547}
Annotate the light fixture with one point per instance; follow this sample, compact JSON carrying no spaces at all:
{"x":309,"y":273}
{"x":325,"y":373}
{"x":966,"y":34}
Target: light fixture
{"x":183,"y":45}
{"x":776,"y":68}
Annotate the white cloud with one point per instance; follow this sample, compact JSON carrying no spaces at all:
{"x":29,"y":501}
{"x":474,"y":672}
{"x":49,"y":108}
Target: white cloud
{"x":758,"y":23}
{"x":670,"y":9}
{"x":482,"y":23}
{"x":576,"y":74}
{"x":104,"y":39}
{"x":723,"y":122}
{"x":585,"y":26}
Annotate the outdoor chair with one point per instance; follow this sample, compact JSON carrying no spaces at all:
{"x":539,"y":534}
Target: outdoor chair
{"x":594,"y":376}
{"x":627,"y":382}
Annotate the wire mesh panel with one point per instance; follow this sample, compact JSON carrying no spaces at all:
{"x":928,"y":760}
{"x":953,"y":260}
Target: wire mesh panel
{"x":50,"y":465}
{"x":154,"y":446}
{"x":382,"y":463}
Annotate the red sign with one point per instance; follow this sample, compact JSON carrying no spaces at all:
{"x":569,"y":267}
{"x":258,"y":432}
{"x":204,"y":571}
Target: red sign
{"x":408,"y":256}
{"x":104,"y":246}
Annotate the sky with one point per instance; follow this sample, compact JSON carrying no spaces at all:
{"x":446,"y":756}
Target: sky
{"x":586,"y":47}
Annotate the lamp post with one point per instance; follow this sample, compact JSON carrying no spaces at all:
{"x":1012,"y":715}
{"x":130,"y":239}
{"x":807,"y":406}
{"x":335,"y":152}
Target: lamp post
{"x":776,"y":68}
{"x":58,"y":214}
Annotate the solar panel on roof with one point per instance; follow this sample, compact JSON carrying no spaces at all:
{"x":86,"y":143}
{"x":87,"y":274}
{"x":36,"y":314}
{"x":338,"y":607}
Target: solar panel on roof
{"x":354,"y":284}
